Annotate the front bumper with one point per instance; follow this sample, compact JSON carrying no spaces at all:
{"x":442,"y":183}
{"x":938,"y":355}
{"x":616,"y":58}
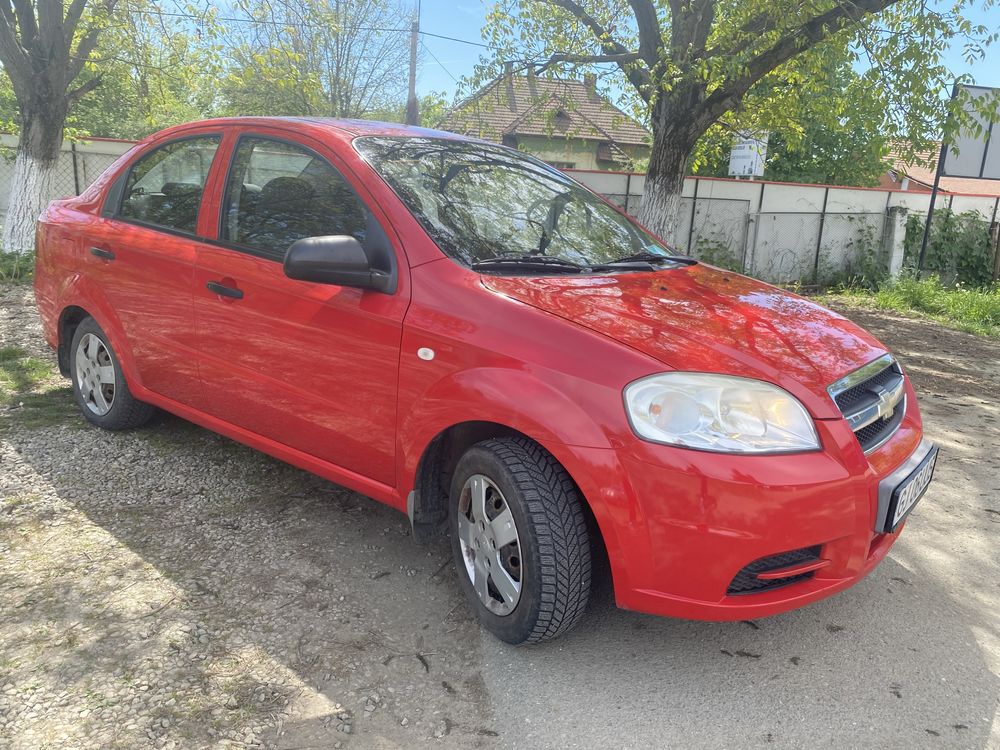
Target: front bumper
{"x":681,"y":525}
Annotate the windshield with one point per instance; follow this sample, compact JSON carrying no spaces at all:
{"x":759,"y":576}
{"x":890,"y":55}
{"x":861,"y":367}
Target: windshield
{"x":483,"y":203}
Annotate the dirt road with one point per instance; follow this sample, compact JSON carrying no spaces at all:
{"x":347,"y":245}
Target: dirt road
{"x":170,"y":588}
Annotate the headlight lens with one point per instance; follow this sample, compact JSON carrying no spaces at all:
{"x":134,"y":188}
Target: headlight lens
{"x":719,"y":413}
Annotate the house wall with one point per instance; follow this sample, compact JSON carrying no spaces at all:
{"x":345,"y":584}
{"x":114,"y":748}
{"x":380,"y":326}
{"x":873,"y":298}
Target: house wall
{"x":577,"y":151}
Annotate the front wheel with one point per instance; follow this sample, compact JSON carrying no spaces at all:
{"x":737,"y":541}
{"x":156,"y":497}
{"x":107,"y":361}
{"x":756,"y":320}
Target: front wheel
{"x":520,"y":541}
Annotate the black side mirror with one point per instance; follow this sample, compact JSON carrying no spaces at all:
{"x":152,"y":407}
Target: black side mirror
{"x":336,"y":259}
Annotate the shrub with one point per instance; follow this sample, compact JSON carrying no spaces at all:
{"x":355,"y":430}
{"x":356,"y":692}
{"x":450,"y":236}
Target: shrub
{"x":958,"y":247}
{"x":16,"y":266}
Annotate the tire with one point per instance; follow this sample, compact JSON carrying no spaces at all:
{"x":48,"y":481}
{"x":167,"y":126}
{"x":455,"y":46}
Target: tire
{"x":535,"y":587}
{"x":99,"y":385}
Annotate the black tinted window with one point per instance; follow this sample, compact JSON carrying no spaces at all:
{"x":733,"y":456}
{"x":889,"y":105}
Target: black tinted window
{"x":165,"y":187}
{"x":279,"y":193}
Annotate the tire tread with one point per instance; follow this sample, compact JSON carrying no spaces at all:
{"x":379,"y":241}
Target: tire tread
{"x":554,"y":505}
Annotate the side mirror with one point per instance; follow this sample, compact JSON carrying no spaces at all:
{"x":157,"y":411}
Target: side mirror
{"x":336,"y":259}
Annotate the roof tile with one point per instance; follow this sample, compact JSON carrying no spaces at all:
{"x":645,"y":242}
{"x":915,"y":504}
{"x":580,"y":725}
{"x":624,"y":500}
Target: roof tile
{"x":549,"y":107}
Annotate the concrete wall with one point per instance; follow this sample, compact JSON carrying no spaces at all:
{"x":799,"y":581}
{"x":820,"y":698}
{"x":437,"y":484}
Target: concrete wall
{"x":79,"y":165}
{"x":785,"y":232}
{"x":780,"y":232}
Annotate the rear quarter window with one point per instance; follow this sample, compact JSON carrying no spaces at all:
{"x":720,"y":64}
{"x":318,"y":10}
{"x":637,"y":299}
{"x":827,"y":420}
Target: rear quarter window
{"x":165,"y":187}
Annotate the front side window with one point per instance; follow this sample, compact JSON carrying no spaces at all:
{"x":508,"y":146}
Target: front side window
{"x":164,"y":188}
{"x":482,"y":203}
{"x":278,"y":193}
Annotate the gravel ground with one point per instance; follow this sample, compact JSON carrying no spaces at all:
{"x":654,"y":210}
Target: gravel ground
{"x":171,"y":588}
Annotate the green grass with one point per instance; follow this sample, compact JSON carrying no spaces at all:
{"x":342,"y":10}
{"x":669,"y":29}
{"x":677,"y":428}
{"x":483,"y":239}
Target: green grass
{"x":973,"y":310}
{"x":30,"y":393}
{"x":19,"y":372}
{"x":17,"y":266}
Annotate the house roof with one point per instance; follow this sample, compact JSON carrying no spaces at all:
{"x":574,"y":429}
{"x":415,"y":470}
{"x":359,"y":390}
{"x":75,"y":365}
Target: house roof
{"x":923,"y":173}
{"x":548,"y":107}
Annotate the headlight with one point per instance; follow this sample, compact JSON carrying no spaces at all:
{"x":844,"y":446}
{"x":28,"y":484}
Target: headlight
{"x":718,"y":413}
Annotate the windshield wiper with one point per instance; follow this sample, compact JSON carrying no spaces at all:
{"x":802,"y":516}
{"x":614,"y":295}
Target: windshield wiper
{"x":529,"y":261}
{"x":641,"y":260}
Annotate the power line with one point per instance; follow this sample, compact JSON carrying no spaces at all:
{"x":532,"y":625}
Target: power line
{"x":302,"y":25}
{"x":455,"y":39}
{"x":441,"y":64}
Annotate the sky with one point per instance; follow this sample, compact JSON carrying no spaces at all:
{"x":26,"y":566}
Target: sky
{"x":444,"y":61}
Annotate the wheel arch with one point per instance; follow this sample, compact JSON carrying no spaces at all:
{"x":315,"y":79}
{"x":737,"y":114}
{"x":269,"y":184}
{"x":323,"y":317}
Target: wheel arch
{"x":70,"y":317}
{"x":80,"y":299}
{"x":427,"y":502}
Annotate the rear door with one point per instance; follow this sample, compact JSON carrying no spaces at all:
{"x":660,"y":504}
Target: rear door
{"x":310,"y":366}
{"x":142,"y":251}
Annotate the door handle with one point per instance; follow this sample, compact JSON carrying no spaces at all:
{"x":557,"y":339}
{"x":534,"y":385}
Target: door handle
{"x":100,"y":252}
{"x":225,"y":291}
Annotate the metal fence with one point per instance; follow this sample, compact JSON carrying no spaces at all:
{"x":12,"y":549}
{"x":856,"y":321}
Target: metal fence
{"x":812,"y":247}
{"x":791,"y":233}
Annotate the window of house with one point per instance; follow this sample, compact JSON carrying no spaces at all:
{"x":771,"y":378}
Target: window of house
{"x":164,"y":188}
{"x":607,"y":152}
{"x":562,"y":164}
{"x":278,"y":193}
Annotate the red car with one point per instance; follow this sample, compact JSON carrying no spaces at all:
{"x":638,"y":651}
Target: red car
{"x":458,"y":330}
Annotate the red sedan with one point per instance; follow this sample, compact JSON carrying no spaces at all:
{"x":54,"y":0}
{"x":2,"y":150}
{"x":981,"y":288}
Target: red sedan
{"x":460,"y":331}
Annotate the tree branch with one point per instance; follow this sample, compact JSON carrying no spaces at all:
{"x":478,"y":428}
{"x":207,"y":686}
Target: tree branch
{"x":566,"y":57}
{"x":86,"y":45}
{"x":15,"y":59}
{"x":25,"y":21}
{"x":73,"y":16}
{"x":82,"y":90}
{"x":798,"y":40}
{"x":649,"y":30}
{"x":638,"y":76}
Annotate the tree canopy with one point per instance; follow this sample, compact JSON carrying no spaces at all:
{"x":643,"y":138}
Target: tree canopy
{"x":691,"y":65}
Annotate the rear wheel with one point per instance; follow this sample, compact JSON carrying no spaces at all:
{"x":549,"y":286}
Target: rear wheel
{"x":98,"y":382}
{"x":520,"y":541}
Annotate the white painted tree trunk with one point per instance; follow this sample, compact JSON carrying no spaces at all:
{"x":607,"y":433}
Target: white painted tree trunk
{"x":659,"y":210}
{"x":30,"y":192}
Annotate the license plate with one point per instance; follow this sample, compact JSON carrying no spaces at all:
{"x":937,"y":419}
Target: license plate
{"x":911,"y":489}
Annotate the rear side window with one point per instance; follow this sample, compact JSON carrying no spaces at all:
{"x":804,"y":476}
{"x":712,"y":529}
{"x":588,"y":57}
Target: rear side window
{"x":164,"y":188}
{"x":278,"y":193}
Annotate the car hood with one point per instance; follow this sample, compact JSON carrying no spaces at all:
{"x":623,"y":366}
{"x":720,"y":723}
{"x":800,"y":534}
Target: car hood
{"x":702,"y":319}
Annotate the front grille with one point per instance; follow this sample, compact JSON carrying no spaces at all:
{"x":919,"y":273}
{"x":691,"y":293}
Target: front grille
{"x":878,"y":432}
{"x":851,"y":396}
{"x":864,"y":396}
{"x":747,"y":582}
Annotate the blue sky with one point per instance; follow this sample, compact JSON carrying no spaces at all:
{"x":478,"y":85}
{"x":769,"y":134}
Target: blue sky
{"x":463,"y":19}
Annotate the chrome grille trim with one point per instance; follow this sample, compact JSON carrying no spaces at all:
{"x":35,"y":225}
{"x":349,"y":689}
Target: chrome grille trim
{"x":860,"y":375}
{"x":877,"y":395}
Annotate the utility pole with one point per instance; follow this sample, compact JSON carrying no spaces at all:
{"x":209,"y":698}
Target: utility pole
{"x":942,"y":156}
{"x":412,"y":111}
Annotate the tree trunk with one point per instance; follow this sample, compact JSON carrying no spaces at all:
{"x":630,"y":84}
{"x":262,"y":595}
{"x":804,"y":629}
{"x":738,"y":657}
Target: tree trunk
{"x":659,"y":210}
{"x":31,"y":186}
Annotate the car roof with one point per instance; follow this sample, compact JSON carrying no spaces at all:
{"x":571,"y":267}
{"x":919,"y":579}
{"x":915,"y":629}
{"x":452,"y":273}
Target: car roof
{"x":342,"y":129}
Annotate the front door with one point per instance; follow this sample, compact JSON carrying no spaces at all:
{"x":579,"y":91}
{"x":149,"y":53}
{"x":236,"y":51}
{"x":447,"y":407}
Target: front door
{"x":310,"y":366}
